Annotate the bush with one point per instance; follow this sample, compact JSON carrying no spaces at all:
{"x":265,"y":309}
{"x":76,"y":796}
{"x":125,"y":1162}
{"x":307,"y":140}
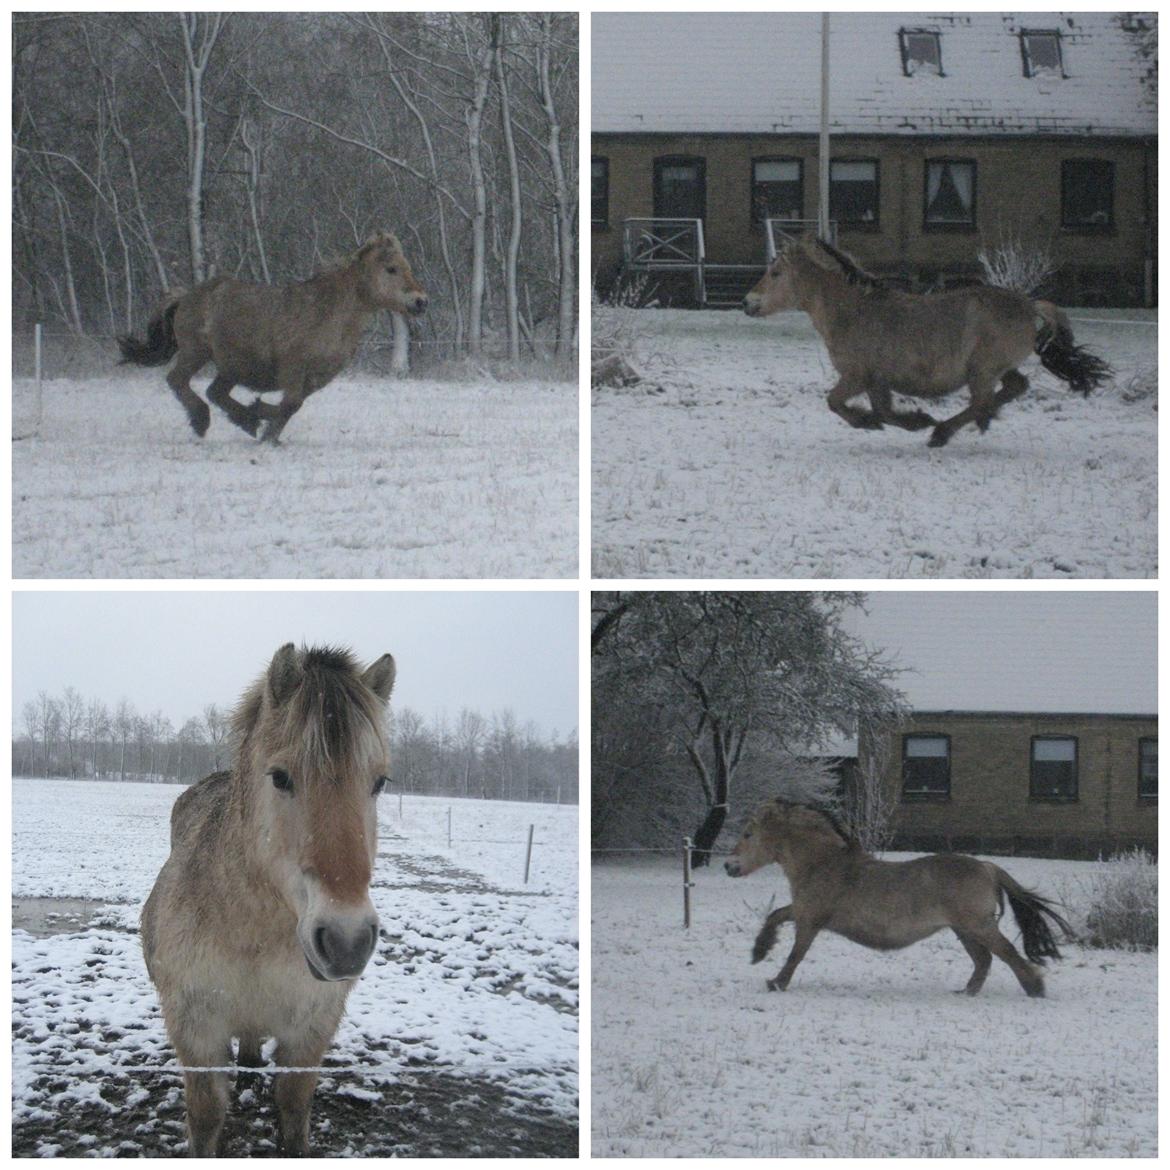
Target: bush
{"x":1122,"y":901}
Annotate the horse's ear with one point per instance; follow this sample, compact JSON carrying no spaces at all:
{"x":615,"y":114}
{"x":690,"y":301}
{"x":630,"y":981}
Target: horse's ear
{"x":380,"y":676}
{"x":284,"y":673}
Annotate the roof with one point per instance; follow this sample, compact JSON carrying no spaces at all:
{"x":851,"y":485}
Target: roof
{"x":760,"y":73}
{"x":1030,"y":651}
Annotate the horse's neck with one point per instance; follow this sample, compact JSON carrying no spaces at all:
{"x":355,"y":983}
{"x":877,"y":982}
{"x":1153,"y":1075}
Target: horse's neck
{"x":827,"y":298}
{"x":800,"y":860}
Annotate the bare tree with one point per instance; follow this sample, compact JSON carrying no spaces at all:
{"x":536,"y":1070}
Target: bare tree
{"x":217,"y":726}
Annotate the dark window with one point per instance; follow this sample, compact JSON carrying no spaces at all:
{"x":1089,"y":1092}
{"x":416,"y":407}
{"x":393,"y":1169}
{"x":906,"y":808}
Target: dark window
{"x":600,"y":192}
{"x":1148,"y":769}
{"x":1041,"y":52}
{"x":926,"y":766}
{"x":853,"y":192}
{"x":680,"y":188}
{"x":1086,"y":194}
{"x":777,"y":189}
{"x":950,"y":193}
{"x":1054,"y":767}
{"x":921,"y":51}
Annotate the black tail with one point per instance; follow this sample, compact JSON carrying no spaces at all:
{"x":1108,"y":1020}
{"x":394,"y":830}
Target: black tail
{"x":160,"y":345}
{"x":766,"y":939}
{"x":1059,"y":355}
{"x":1033,"y":913}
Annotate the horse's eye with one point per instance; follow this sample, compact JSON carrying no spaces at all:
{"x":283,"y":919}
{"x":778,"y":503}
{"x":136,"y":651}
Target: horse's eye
{"x":281,"y":780}
{"x":746,"y":834}
{"x":380,"y":784}
{"x":392,"y":269}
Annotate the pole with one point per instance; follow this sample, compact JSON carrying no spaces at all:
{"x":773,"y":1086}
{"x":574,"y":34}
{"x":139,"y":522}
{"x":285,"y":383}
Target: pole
{"x":448,"y":826}
{"x":823,"y":156}
{"x":400,"y":804}
{"x":528,"y":855}
{"x":687,"y":882}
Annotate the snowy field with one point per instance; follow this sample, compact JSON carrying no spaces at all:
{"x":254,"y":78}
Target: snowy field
{"x":467,"y":1014}
{"x":375,"y":479}
{"x":867,"y":1055}
{"x":726,"y":462}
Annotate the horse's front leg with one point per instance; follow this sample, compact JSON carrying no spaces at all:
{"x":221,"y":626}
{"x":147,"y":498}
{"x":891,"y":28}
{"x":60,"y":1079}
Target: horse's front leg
{"x":294,"y":1091}
{"x":766,"y":939}
{"x":278,"y":416}
{"x":805,"y":933}
{"x":882,"y":401}
{"x":205,"y":1094}
{"x":839,"y":404}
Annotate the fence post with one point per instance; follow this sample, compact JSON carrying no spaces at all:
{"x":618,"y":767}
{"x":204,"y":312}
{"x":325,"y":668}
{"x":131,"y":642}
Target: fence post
{"x":687,"y":883}
{"x":400,"y":804}
{"x":528,"y":855}
{"x":448,"y":826}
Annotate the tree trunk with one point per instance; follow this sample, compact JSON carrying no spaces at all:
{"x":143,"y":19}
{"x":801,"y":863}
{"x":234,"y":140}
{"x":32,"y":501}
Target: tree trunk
{"x":511,"y":300}
{"x":482,"y":79}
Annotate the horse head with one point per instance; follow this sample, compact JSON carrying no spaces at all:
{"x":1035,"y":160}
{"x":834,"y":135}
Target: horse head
{"x":386,"y":279}
{"x":312,"y":756}
{"x":774,"y":291}
{"x":778,"y":827}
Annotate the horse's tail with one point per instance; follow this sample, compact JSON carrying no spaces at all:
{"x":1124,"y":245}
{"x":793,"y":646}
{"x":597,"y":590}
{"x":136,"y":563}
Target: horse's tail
{"x":1071,"y":363}
{"x":160,"y":344}
{"x":1033,"y":913}
{"x":766,"y":939}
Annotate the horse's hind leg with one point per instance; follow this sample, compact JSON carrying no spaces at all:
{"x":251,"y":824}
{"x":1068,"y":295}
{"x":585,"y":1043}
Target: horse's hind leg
{"x":981,"y":411}
{"x":839,"y":404}
{"x":278,"y":417}
{"x":1012,"y":386}
{"x":981,"y":957}
{"x":179,"y":380}
{"x":805,"y":934}
{"x":1030,"y":979}
{"x":882,"y":401}
{"x":245,"y":417}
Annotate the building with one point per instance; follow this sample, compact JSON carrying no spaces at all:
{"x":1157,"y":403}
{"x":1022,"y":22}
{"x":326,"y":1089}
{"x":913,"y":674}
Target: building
{"x":948,"y":132}
{"x":1033,"y":724}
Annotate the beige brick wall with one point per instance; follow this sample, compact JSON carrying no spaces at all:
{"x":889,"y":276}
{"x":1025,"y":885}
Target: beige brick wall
{"x":989,"y":806}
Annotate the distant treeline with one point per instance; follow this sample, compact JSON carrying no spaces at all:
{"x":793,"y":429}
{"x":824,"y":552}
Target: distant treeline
{"x":493,"y":757}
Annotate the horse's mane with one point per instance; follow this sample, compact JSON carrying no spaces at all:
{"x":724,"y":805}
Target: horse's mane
{"x":853,"y":273}
{"x":341,"y":263}
{"x":835,"y":823}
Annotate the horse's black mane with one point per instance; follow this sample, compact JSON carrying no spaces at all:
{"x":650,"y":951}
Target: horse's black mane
{"x":854,"y":274}
{"x":835,"y":822}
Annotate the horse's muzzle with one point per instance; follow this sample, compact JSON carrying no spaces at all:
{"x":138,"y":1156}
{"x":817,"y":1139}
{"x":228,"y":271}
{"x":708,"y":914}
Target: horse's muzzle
{"x":731,"y":868}
{"x":420,"y":306}
{"x":750,"y":307}
{"x":337,"y":953}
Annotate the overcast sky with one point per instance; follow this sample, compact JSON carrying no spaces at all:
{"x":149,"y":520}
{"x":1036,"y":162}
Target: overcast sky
{"x":177,"y":652}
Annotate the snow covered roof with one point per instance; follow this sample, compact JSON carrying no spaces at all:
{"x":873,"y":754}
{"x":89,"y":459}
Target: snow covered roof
{"x":1036,"y":652}
{"x":760,"y":73}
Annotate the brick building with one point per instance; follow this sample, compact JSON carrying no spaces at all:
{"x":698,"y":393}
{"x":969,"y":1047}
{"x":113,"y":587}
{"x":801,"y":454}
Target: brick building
{"x":1034,"y":723}
{"x":949,"y":131}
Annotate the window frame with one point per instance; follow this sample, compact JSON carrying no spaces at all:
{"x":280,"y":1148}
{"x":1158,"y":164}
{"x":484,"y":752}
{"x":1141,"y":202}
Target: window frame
{"x":914,"y":797}
{"x":665,"y":160}
{"x":599,"y":225}
{"x":1091,"y":229}
{"x":971,"y":225}
{"x":859,"y":225}
{"x":1147,"y":797}
{"x":766,"y":158}
{"x":1026,"y":57}
{"x":904,"y":35}
{"x":1048,"y":798}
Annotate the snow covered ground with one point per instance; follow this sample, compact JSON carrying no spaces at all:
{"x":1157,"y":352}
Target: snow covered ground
{"x":726,"y":462}
{"x":376,"y":479}
{"x":867,"y":1054}
{"x":467,"y":1012}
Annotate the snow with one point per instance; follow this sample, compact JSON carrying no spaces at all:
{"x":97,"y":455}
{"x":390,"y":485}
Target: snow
{"x":760,"y":73}
{"x":375,"y":479}
{"x":476,"y":975}
{"x":725,"y":462}
{"x":867,"y":1054}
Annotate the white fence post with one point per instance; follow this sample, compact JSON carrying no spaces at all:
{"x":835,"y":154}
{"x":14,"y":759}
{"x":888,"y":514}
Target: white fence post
{"x":528,"y":855}
{"x":448,"y":826}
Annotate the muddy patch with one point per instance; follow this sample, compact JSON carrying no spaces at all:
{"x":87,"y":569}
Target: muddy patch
{"x":45,"y":916}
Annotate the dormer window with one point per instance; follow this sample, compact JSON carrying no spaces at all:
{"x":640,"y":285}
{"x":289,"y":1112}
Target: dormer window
{"x":921,"y":51}
{"x":1041,"y":52}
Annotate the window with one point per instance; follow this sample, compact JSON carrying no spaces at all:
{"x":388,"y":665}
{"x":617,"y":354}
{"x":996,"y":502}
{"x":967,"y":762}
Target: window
{"x":600,"y":192}
{"x":950,"y":194}
{"x":921,"y":51}
{"x":926,"y":766}
{"x":1054,"y":767}
{"x":1041,"y":52}
{"x":1086,"y":194}
{"x":853,"y":192}
{"x":1148,"y":769}
{"x":680,"y":188}
{"x":777,"y":189}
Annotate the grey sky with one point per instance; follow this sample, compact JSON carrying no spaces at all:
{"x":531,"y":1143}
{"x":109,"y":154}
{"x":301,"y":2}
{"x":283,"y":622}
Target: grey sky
{"x":178,"y":651}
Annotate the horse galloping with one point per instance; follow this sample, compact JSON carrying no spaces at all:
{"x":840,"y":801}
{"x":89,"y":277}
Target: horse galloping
{"x":291,"y":338}
{"x":260,"y":920}
{"x":882,"y":341}
{"x":888,"y":905}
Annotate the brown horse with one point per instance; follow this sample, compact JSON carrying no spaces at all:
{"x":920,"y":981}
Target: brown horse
{"x":293,"y":338}
{"x":882,"y":341}
{"x":887,"y":905}
{"x":261,"y":920}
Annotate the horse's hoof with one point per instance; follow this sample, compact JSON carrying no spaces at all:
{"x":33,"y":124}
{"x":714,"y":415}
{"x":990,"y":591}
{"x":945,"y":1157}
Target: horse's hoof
{"x":200,"y":421}
{"x":775,"y":985}
{"x":939,"y":438}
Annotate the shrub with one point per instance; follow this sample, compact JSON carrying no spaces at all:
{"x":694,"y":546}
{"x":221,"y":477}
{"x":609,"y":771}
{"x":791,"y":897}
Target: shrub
{"x":1122,"y":900}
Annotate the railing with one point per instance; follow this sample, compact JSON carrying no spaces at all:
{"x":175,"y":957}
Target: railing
{"x":663,"y":242}
{"x":791,"y":229}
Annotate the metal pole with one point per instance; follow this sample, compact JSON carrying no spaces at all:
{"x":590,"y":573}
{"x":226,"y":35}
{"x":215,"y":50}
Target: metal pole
{"x":823,"y":157}
{"x":687,"y":883}
{"x":528,"y":855}
{"x":38,"y":335}
{"x":400,"y":804}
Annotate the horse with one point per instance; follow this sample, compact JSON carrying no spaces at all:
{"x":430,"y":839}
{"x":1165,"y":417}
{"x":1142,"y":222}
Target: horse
{"x":260,"y":920}
{"x":888,"y":905}
{"x":290,"y":338}
{"x":881,"y":340}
